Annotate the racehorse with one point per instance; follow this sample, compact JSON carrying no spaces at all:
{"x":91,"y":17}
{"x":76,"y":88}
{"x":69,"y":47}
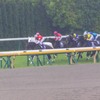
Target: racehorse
{"x":82,"y":42}
{"x":70,"y":42}
{"x":57,"y":44}
{"x":66,"y":42}
{"x":31,"y":45}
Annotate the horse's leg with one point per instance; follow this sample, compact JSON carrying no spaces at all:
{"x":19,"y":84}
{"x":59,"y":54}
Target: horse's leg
{"x":92,"y":53}
{"x":88,"y":54}
{"x":49,"y":58}
{"x":55,"y":55}
{"x":31,"y":59}
{"x":79,"y":55}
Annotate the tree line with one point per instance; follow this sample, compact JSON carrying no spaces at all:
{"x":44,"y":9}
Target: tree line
{"x":22,"y":18}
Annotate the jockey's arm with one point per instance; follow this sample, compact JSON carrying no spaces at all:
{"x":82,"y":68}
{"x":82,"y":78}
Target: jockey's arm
{"x":58,"y":38}
{"x":74,"y":39}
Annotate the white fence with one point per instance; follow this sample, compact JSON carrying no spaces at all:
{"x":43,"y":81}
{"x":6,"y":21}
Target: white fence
{"x":26,"y":38}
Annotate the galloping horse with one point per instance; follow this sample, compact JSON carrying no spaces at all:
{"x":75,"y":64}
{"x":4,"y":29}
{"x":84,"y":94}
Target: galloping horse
{"x":66,"y":42}
{"x":63,"y":42}
{"x":70,"y":42}
{"x":84,"y":43}
{"x":31,"y":45}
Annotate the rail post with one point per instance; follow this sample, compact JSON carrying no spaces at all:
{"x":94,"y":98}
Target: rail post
{"x":96,"y":57}
{"x":71,"y":58}
{"x":7,"y":61}
{"x":0,"y":62}
{"x":39,"y":61}
{"x":43,"y":59}
{"x":13,"y":62}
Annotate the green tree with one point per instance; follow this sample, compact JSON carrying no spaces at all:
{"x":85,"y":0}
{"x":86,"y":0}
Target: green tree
{"x":89,"y":14}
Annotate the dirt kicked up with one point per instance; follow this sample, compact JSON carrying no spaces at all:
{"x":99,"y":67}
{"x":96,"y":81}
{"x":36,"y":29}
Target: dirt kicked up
{"x":70,"y":82}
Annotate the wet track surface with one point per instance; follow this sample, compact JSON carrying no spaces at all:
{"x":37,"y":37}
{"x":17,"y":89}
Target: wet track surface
{"x":68,"y":82}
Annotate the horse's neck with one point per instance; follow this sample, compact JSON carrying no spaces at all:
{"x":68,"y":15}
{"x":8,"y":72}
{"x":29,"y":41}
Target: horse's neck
{"x":37,"y":46}
{"x":71,"y":42}
{"x":83,"y":42}
{"x":51,"y":40}
{"x":31,"y":45}
{"x":69,"y":39}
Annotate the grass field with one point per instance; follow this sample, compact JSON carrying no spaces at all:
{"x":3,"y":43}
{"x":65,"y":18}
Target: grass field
{"x":61,"y":59}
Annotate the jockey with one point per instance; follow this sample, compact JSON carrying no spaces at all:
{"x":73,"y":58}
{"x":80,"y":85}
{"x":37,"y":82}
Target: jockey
{"x":75,"y":37}
{"x":91,"y":37}
{"x":38,"y":39}
{"x":58,"y":37}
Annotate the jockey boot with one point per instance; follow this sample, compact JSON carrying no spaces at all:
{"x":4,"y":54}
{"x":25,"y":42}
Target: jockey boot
{"x":43,"y":46}
{"x":78,"y":44}
{"x":58,"y":44}
{"x":61,"y":45}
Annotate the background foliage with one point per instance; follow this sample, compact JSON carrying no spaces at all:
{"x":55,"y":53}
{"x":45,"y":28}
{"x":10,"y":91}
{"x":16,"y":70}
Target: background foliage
{"x":22,"y":18}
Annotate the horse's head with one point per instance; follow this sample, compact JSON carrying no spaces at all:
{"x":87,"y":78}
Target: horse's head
{"x":82,"y":41}
{"x":70,"y":41}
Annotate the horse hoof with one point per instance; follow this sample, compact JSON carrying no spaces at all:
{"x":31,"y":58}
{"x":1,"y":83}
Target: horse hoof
{"x":30,"y":62}
{"x":47,"y":63}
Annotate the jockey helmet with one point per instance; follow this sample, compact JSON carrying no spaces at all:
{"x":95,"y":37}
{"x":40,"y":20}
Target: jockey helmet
{"x":55,"y":32}
{"x":88,"y":36}
{"x":74,"y":35}
{"x":37,"y":33}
